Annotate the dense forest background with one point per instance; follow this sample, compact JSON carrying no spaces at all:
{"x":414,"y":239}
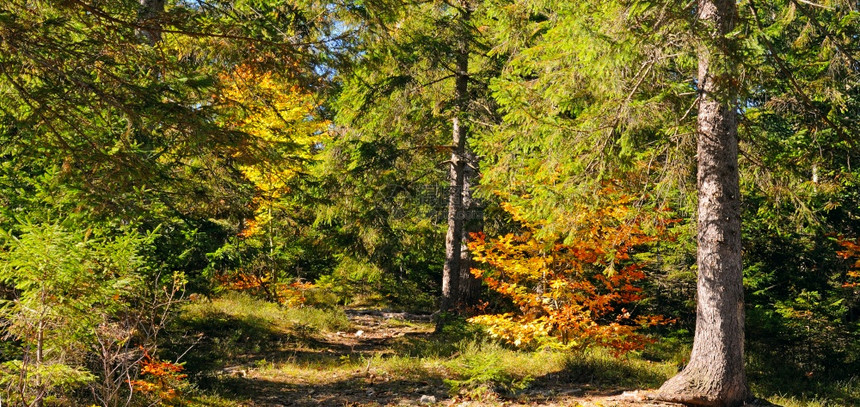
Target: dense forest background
{"x":523,"y":171}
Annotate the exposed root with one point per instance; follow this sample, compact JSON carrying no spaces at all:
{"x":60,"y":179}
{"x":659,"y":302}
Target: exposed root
{"x":688,"y":399}
{"x":683,"y":389}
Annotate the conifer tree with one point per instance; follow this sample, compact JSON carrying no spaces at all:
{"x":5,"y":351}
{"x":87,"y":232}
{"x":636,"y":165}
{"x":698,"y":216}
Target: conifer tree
{"x":715,"y":374}
{"x":423,"y":72}
{"x":606,"y":91}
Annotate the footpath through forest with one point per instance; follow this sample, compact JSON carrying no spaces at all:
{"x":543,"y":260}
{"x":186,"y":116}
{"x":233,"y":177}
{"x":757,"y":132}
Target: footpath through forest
{"x":380,"y":359}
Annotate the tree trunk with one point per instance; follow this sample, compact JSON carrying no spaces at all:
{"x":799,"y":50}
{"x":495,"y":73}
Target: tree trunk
{"x":41,"y":387}
{"x":150,"y":11}
{"x":469,"y":284}
{"x":715,"y":374}
{"x":452,"y":271}
{"x":454,"y":236}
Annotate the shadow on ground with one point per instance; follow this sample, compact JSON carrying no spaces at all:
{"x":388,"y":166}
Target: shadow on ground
{"x":247,"y":361}
{"x":348,"y":392}
{"x":222,"y":341}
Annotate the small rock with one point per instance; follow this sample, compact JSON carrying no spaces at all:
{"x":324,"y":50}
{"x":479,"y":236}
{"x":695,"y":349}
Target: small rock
{"x":425,"y":399}
{"x":359,"y":333}
{"x":635,"y":395}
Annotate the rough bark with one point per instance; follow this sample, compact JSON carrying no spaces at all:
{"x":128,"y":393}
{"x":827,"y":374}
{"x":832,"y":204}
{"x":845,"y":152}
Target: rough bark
{"x":452,"y":270}
{"x":469,"y":284}
{"x":715,"y":374}
{"x":150,"y":11}
{"x":453,"y":238}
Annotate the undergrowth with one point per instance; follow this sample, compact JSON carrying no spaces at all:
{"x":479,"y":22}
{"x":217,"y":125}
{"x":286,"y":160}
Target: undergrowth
{"x":264,"y":313}
{"x":299,"y":348}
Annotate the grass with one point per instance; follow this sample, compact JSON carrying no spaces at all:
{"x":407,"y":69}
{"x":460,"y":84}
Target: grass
{"x":249,"y":352}
{"x":772,"y":374}
{"x":237,"y":329}
{"x":600,"y":368}
{"x":801,"y":392}
{"x":256,"y":311}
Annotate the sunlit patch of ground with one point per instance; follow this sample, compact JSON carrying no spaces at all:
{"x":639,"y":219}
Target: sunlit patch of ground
{"x":249,"y":353}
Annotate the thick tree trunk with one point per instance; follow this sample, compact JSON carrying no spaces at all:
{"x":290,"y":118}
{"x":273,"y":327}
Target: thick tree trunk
{"x":715,"y":374}
{"x":453,"y":268}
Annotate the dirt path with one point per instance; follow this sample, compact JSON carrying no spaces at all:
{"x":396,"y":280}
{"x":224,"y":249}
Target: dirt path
{"x":373,"y":331}
{"x":337,"y":369}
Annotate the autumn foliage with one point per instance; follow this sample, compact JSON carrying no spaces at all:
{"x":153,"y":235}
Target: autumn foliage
{"x":280,"y":119}
{"x":290,"y":294}
{"x":159,"y":379}
{"x":572,"y":293}
{"x":851,"y":250}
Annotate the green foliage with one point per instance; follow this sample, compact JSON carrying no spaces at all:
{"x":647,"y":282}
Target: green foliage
{"x":218,"y":137}
{"x":126,"y":122}
{"x":384,"y":175}
{"x":799,"y":311}
{"x":55,"y":379}
{"x":483,"y":372}
{"x":352,"y":279}
{"x":97,"y":119}
{"x":76,"y":291}
{"x":586,"y":98}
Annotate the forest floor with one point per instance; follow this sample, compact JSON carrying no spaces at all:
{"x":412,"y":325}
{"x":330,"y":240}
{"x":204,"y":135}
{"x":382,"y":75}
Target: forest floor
{"x":372,"y":337}
{"x":241,"y":352}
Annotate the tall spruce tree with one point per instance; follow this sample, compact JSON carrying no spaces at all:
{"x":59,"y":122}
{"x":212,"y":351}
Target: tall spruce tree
{"x":715,"y":373}
{"x":621,"y":110}
{"x":422,"y":71}
{"x":457,"y":280}
{"x":611,"y":92}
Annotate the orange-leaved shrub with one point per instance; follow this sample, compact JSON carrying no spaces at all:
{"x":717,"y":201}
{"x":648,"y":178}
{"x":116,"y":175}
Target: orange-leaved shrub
{"x":160,"y":380}
{"x":851,"y":250}
{"x":575,"y":292}
{"x":292,"y":294}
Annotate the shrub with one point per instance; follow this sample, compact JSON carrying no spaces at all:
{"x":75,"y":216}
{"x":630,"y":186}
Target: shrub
{"x":573,"y":292}
{"x":81,"y":312}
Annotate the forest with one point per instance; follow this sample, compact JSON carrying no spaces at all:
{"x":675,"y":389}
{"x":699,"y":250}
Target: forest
{"x":429,"y":202}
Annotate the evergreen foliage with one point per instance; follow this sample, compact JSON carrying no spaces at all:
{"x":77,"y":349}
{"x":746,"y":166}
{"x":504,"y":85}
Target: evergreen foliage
{"x":301,"y":151}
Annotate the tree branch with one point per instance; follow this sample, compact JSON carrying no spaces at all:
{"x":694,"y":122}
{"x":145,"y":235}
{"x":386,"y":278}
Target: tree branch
{"x":103,"y":14}
{"x":795,"y":86}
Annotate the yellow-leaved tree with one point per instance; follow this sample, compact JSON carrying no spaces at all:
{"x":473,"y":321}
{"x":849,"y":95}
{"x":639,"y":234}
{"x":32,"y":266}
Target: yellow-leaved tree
{"x":283,"y":119}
